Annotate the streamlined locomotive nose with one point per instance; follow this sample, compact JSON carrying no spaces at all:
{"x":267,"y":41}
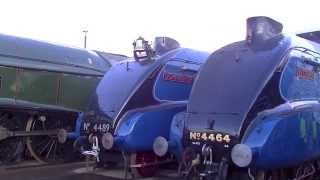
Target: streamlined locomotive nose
{"x":234,"y":84}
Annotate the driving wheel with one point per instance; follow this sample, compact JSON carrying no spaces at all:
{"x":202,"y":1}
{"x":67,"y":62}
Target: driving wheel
{"x":11,"y":149}
{"x":45,"y":148}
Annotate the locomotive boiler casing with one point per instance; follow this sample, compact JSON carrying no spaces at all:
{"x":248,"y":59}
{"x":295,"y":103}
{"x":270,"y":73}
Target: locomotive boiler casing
{"x":254,"y":106}
{"x":286,"y":138}
{"x":150,"y":95}
{"x":37,"y":74}
{"x":288,"y":134}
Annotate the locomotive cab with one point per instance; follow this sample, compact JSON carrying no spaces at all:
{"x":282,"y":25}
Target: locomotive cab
{"x":246,"y":107}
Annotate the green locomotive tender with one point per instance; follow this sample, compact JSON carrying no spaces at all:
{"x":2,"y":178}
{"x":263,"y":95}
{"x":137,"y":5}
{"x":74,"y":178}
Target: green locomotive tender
{"x":43,"y":88}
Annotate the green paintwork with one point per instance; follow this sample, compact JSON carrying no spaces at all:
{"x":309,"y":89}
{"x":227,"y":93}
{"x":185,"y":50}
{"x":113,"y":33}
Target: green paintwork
{"x":70,"y":91}
{"x":76,"y":91}
{"x":8,"y":82}
{"x":42,"y":75}
{"x":37,"y":86}
{"x":29,"y":53}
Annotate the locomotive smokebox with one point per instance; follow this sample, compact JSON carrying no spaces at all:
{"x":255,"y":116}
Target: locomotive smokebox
{"x":263,"y":30}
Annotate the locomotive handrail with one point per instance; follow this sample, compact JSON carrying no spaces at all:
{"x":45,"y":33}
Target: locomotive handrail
{"x":308,"y":51}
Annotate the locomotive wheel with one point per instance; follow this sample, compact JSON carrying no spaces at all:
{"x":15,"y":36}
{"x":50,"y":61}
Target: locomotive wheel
{"x":12,"y":149}
{"x":45,"y":149}
{"x":140,"y":158}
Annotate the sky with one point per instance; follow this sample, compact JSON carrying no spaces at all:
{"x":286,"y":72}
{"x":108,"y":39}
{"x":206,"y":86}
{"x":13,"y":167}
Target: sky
{"x":114,"y":24}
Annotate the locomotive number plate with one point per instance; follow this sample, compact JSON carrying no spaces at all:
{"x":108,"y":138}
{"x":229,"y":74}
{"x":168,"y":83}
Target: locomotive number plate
{"x":98,"y":127}
{"x":211,"y":137}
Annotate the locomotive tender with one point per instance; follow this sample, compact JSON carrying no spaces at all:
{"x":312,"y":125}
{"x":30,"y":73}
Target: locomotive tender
{"x":43,"y":88}
{"x":136,"y":100}
{"x":253,"y":112}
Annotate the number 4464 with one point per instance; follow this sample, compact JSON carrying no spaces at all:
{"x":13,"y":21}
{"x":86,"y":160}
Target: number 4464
{"x":218,"y":137}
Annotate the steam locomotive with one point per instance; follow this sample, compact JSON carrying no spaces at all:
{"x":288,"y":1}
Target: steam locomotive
{"x":253,"y":112}
{"x":43,"y":88}
{"x":135,"y":102}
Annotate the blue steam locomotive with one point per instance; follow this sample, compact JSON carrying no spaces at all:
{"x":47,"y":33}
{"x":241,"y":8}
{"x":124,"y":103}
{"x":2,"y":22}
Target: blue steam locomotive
{"x":136,"y":101}
{"x":254,"y":109}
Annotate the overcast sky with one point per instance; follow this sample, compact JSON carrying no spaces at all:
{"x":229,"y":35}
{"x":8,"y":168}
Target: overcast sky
{"x":114,"y":24}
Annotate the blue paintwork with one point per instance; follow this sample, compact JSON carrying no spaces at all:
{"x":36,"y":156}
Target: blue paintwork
{"x":284,"y":140}
{"x":295,"y":134}
{"x":131,"y":134}
{"x":284,"y":136}
{"x":123,"y":79}
{"x":178,"y":91}
{"x":76,"y":133}
{"x":289,"y":140}
{"x":136,"y":128}
{"x":139,"y":128}
{"x":176,"y":135}
{"x":291,"y":88}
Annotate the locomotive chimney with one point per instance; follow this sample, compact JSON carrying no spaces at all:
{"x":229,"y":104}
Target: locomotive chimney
{"x":165,"y":44}
{"x":262,"y":30}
